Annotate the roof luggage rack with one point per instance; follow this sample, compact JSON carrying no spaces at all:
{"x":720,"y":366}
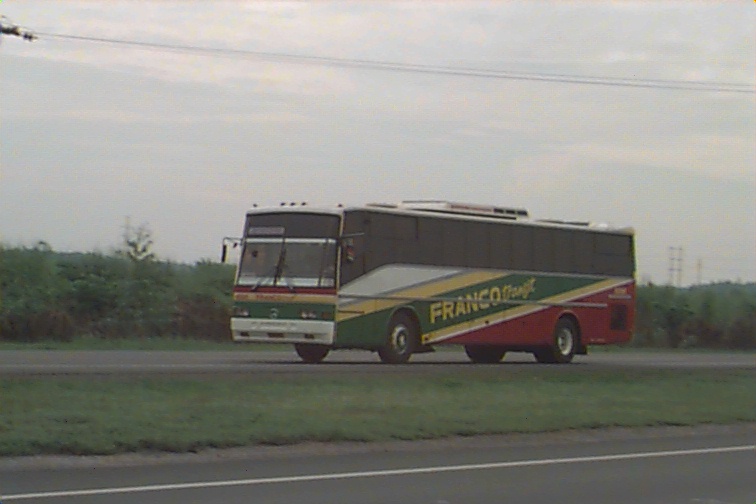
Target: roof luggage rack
{"x":465,"y":209}
{"x":566,"y":223}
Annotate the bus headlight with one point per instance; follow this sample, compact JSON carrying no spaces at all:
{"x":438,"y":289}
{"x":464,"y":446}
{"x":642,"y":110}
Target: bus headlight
{"x":308,"y":315}
{"x":240,"y":311}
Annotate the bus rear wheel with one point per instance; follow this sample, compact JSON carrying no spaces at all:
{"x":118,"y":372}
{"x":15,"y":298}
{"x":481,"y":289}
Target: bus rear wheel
{"x":310,"y":353}
{"x":565,"y":342}
{"x":485,"y":354}
{"x":401,"y":340}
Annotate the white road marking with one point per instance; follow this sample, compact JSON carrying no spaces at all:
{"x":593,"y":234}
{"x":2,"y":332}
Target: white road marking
{"x":372,"y":474}
{"x":709,"y":501}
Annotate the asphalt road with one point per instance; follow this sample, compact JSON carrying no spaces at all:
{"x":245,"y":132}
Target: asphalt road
{"x":60,"y":362}
{"x":709,"y":465}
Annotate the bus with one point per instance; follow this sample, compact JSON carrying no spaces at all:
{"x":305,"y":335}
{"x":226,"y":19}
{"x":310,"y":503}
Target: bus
{"x":400,"y":279}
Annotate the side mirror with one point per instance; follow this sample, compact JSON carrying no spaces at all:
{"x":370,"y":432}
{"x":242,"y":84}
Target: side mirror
{"x":235,"y":242}
{"x":346,"y":242}
{"x":347,"y":250}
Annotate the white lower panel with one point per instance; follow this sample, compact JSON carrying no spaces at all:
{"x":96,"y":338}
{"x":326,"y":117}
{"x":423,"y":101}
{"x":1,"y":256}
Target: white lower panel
{"x":283,"y":331}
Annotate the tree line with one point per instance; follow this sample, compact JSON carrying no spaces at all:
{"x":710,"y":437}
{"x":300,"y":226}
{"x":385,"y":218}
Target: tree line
{"x":48,"y":295}
{"x":721,"y":315}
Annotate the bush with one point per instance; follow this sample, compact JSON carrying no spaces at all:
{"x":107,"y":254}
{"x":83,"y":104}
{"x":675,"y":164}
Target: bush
{"x":34,"y":296}
{"x":54,"y":296}
{"x":204,"y":318}
{"x":709,"y":316}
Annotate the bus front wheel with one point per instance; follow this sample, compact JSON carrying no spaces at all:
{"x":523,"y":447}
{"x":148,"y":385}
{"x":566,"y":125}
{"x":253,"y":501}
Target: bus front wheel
{"x":310,"y":353}
{"x":401,"y":340}
{"x":564,"y":343}
{"x":485,"y":354}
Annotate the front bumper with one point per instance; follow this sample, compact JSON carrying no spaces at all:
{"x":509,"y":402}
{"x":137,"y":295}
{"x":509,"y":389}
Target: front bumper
{"x":283,"y":331}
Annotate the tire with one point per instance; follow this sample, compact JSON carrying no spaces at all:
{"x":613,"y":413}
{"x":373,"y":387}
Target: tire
{"x":565,"y":341}
{"x":485,"y":354}
{"x":401,"y":340}
{"x":311,"y":354}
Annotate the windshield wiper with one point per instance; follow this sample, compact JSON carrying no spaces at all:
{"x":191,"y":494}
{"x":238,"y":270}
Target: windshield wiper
{"x":262,"y":279}
{"x":323,"y":257}
{"x":277,"y":269}
{"x":281,"y":266}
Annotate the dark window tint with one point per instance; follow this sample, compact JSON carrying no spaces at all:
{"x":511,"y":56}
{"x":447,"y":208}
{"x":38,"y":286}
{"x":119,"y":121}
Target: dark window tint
{"x":544,"y":249}
{"x":618,"y":318}
{"x":521,"y":246}
{"x":295,"y":225}
{"x":477,"y":244}
{"x":456,"y":242}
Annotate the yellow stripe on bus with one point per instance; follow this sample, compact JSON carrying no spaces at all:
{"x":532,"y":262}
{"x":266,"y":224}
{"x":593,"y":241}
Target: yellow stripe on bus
{"x":519,"y":311}
{"x":422,"y":291}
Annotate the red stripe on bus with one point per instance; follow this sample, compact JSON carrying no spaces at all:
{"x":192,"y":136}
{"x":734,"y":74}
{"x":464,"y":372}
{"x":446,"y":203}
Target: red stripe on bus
{"x":537,"y":328}
{"x":285,"y":290}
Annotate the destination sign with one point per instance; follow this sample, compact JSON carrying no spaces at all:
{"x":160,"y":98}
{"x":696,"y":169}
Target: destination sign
{"x":266,"y":231}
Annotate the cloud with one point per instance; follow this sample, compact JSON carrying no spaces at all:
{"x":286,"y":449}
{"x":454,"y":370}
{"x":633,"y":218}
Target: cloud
{"x":94,"y":132}
{"x":702,"y":154}
{"x":494,"y":34}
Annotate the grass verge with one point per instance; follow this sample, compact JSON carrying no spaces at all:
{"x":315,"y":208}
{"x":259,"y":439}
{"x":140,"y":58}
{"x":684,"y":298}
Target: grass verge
{"x":114,"y":415}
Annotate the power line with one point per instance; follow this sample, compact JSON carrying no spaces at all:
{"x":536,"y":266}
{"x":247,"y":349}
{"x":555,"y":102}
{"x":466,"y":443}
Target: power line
{"x":9,"y":28}
{"x":726,"y":87}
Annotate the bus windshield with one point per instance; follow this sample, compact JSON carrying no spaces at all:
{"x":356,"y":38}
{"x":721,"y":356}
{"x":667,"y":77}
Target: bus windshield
{"x":288,"y":262}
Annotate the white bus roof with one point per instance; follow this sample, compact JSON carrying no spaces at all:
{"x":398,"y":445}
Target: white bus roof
{"x":441,"y":209}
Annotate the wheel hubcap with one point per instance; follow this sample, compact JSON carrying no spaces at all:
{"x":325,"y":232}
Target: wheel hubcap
{"x":565,"y":341}
{"x":399,"y":337}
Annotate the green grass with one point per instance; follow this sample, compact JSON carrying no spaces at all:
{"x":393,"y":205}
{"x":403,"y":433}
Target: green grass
{"x":84,"y":416}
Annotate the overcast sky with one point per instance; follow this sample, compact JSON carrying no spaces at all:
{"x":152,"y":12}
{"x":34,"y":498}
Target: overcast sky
{"x":187,"y":141}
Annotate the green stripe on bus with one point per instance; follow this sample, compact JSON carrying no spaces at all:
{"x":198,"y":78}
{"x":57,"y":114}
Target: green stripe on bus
{"x":475,"y":301}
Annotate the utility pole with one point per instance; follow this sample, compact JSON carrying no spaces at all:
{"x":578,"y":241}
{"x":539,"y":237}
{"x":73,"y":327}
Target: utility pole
{"x":699,"y":269}
{"x":8,"y":28}
{"x":675,"y":265}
